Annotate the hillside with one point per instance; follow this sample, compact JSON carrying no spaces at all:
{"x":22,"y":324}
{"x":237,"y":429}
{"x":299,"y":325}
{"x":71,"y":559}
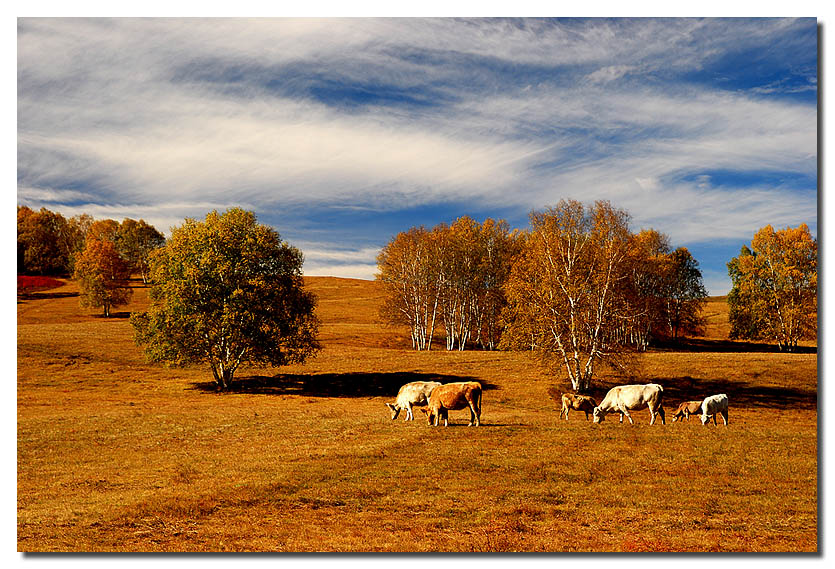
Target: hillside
{"x":115,"y":454}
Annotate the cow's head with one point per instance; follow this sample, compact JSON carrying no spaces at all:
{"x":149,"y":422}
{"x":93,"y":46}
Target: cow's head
{"x":705,"y":419}
{"x":430,"y":416}
{"x":395,"y":410}
{"x":598,"y":415}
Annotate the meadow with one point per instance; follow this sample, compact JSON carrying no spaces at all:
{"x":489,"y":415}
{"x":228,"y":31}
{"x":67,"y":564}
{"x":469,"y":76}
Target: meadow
{"x":115,"y":454}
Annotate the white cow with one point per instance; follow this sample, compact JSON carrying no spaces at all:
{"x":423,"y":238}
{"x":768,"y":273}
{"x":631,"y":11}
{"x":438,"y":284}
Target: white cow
{"x":623,"y":398}
{"x":713,"y":405}
{"x":414,"y":393}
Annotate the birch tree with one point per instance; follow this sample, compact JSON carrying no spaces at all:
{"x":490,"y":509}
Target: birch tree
{"x":410,"y":278}
{"x":227,"y":291}
{"x":774,"y":294}
{"x":565,"y":292}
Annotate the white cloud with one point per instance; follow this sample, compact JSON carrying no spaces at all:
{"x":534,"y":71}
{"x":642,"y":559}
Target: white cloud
{"x":167,"y":118}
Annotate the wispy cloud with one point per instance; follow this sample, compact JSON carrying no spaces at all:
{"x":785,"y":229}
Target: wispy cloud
{"x":167,"y":118}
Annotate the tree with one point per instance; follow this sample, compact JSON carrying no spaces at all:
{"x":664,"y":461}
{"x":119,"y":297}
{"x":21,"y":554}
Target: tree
{"x":135,"y":240}
{"x":684,"y":294}
{"x":42,"y":245}
{"x":410,"y":279}
{"x":454,"y":275}
{"x":566,"y":290}
{"x":102,"y":276}
{"x":227,"y":291}
{"x":774,"y":292}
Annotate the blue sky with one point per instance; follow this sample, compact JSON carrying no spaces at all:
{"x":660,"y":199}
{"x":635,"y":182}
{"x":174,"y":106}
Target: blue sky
{"x":341,"y":132}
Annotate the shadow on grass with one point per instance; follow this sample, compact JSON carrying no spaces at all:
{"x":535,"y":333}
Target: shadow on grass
{"x":727,"y":346}
{"x":740,"y":393}
{"x":22,"y":296}
{"x":354,"y":384}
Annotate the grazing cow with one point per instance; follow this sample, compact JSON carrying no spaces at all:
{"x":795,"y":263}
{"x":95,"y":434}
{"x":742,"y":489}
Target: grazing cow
{"x":454,"y":396}
{"x":713,"y":405}
{"x":578,"y":403}
{"x":623,"y":398}
{"x":686,"y":409}
{"x":414,"y":393}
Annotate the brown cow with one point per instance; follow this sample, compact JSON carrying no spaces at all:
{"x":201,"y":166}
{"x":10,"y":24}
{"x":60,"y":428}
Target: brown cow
{"x":460,"y":395}
{"x":577,"y":403}
{"x":686,"y":409}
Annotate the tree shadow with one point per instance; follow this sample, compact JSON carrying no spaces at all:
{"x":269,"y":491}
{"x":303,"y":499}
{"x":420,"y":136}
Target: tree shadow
{"x":44,"y":295}
{"x":740,"y":393}
{"x":352,"y":384}
{"x":725,"y":346}
{"x":113,"y":316}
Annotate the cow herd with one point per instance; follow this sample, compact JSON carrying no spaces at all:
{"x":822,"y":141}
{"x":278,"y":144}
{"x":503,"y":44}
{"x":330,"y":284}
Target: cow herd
{"x":437,"y":399}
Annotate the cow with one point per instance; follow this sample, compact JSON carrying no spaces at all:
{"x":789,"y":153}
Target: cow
{"x":623,"y":398}
{"x":414,"y":393}
{"x":577,"y":402}
{"x":713,"y":405}
{"x":686,"y":409}
{"x":460,"y":395}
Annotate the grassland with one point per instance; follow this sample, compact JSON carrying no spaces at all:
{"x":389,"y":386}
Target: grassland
{"x":115,"y":454}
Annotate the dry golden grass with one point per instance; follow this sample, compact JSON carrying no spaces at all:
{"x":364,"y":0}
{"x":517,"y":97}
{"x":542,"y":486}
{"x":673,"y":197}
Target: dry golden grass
{"x":118,"y":455}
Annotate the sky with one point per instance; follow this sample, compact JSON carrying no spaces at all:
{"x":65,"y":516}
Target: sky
{"x":340,"y":133}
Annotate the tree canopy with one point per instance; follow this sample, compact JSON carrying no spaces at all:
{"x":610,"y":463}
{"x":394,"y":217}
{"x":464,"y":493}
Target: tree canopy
{"x":567,"y":291}
{"x":774,"y":294}
{"x":450,"y":275}
{"x":102,"y":276}
{"x":227,"y":291}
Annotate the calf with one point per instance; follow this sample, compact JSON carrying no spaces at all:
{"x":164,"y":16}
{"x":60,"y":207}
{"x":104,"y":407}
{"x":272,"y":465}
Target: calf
{"x":623,"y":398}
{"x":713,"y":405}
{"x":453,"y":396}
{"x":414,"y":393}
{"x":577,"y":403}
{"x":686,"y":409}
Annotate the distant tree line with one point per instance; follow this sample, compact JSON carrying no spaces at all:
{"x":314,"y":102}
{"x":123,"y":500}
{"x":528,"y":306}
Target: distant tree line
{"x":448,"y":277}
{"x":225,"y":291}
{"x":100,"y":254}
{"x":578,"y":286}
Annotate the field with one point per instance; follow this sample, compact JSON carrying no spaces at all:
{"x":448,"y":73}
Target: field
{"x":115,"y":454}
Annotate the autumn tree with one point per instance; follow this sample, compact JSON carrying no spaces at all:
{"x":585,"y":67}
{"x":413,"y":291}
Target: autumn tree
{"x":645,"y":288}
{"x":774,"y":294}
{"x":564,"y":292}
{"x":42,"y":242}
{"x":684,"y":294}
{"x":135,"y":240}
{"x":409,"y":276}
{"x":498,"y":247}
{"x":102,"y":276}
{"x":451,"y":276}
{"x":227,"y":291}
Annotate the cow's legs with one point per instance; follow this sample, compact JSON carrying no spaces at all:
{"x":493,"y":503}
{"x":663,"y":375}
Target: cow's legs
{"x":725,"y":417}
{"x":475,"y":417}
{"x":409,"y":415}
{"x":623,"y":412}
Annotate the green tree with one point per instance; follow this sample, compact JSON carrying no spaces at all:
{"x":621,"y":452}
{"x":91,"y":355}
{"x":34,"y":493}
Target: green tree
{"x":774,"y":294}
{"x":42,"y":246}
{"x":227,"y":291}
{"x":135,"y":240}
{"x":102,"y":276}
{"x":685,"y":294}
